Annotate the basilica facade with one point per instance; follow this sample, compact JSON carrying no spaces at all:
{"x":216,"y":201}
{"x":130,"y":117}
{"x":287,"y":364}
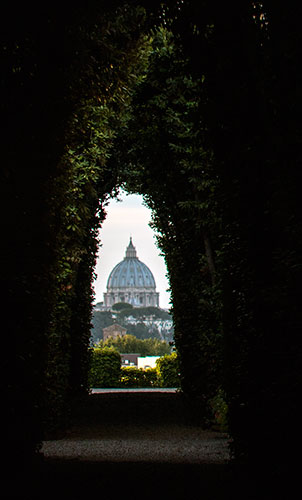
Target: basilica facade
{"x":131,"y":281}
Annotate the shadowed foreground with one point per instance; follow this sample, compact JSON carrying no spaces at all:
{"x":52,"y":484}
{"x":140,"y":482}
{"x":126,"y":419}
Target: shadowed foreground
{"x":138,"y":445}
{"x":138,"y":427}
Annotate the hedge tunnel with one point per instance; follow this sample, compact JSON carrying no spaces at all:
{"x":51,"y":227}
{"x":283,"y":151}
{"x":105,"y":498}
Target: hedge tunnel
{"x":196,"y":106}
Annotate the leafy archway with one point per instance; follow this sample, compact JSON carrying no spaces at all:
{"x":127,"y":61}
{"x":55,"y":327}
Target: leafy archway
{"x":193,"y":118}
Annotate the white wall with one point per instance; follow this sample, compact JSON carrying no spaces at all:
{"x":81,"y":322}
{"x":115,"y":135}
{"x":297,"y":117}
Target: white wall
{"x":147,"y":361}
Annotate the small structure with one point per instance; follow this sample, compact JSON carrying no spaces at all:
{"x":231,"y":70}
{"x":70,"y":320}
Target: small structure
{"x":114,"y":331}
{"x":129,"y":359}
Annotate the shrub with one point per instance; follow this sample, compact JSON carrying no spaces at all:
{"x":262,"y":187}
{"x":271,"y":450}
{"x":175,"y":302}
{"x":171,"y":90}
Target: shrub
{"x":122,"y":306}
{"x":168,"y":370}
{"x":105,"y":367}
{"x":220,"y":410}
{"x":137,"y":377}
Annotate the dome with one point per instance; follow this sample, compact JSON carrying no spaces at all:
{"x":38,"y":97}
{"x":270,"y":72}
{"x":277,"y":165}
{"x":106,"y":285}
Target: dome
{"x":131,"y":281}
{"x":131,"y":272}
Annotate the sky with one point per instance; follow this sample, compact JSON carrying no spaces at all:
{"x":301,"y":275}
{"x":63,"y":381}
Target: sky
{"x":124,"y":219}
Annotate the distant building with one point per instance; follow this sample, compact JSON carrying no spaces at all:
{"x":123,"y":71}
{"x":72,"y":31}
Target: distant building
{"x":145,"y":362}
{"x":131,"y":281}
{"x":129,"y":359}
{"x":135,"y":359}
{"x":114,"y":331}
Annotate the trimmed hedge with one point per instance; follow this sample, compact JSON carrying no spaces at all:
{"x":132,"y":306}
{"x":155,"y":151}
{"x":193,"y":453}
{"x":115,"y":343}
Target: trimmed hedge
{"x":167,"y":368}
{"x":138,"y":377}
{"x":105,"y":368}
{"x":106,"y":371}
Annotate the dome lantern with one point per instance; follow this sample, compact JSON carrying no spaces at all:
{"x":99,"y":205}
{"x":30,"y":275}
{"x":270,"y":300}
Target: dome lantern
{"x":131,"y":251}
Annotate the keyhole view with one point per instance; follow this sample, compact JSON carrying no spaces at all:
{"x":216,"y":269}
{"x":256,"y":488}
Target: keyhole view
{"x":128,"y":315}
{"x":151,"y":248}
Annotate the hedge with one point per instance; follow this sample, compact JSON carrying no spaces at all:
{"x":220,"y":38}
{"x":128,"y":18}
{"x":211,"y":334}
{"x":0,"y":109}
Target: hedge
{"x":168,"y":370}
{"x":138,"y":377}
{"x":106,"y":371}
{"x":105,"y":368}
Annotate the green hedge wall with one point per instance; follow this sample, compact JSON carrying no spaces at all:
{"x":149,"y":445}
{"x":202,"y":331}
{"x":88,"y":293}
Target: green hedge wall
{"x":105,"y":368}
{"x":167,"y":368}
{"x":137,"y":377}
{"x":106,"y":371}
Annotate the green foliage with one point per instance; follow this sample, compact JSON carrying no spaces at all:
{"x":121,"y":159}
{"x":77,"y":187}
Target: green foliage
{"x":204,"y":123}
{"x":101,"y":319}
{"x":137,"y":377}
{"x":166,"y":139}
{"x":106,"y":370}
{"x":105,"y":367}
{"x":113,"y":56}
{"x":167,"y":368}
{"x":220,"y":410}
{"x":143,"y":332}
{"x":130,"y":343}
{"x":123,"y":306}
{"x":143,"y":312}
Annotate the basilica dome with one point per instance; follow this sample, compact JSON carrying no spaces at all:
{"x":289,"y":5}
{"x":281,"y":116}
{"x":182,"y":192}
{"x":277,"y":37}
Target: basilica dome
{"x":131,"y":281}
{"x":131,"y":272}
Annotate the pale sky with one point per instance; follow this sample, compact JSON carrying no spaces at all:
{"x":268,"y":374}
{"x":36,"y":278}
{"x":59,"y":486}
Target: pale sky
{"x":125,"y":219}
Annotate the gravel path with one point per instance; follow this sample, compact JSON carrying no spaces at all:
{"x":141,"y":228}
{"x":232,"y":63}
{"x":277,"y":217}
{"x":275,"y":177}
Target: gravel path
{"x":137,"y":427}
{"x":140,"y":450}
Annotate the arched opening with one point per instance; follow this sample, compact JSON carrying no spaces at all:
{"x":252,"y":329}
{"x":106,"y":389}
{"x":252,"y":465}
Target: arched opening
{"x":211,"y":142}
{"x":127,"y":218}
{"x":132,"y":301}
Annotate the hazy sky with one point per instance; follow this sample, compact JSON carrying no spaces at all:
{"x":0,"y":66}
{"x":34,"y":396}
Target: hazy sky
{"x":125,"y":219}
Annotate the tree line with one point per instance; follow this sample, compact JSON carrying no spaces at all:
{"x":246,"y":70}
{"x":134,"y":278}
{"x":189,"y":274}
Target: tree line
{"x":121,"y":314}
{"x":130,"y":343}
